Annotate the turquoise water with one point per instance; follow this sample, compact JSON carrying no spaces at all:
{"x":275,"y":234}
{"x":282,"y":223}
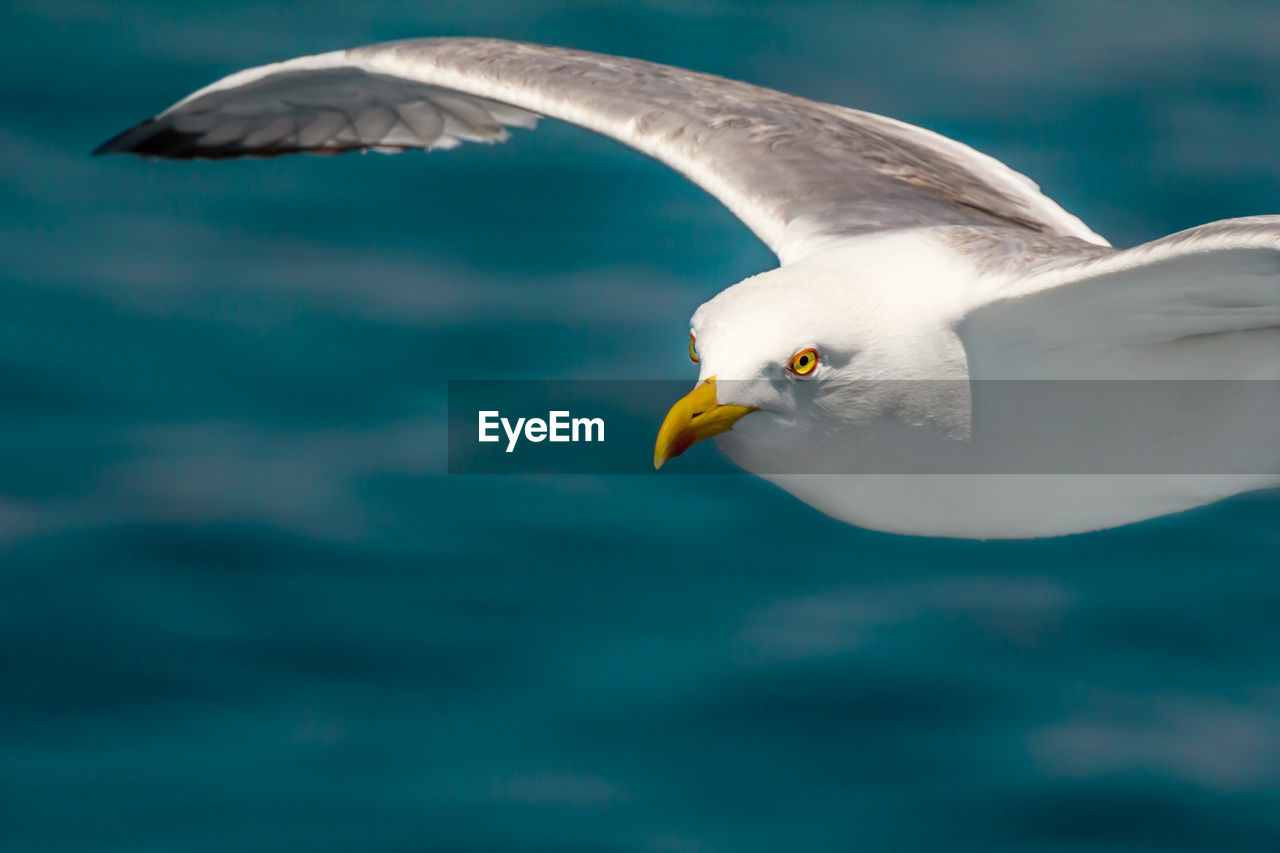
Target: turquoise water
{"x":244,"y":607}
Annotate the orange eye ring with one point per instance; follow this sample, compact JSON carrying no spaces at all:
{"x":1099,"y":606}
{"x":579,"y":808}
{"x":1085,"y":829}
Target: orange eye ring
{"x":693,"y":349}
{"x":804,"y":362}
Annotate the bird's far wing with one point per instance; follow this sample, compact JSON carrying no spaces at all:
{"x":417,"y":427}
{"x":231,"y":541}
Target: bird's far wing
{"x":1200,"y":304}
{"x":795,"y":171}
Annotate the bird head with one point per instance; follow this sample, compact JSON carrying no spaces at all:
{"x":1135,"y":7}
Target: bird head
{"x":792,"y":360}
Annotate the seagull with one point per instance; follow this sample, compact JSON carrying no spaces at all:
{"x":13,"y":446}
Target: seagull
{"x":942,"y":349}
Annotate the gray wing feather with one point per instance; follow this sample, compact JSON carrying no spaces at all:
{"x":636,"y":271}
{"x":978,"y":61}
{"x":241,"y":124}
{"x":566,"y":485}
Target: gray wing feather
{"x":1200,"y":304}
{"x":795,"y":171}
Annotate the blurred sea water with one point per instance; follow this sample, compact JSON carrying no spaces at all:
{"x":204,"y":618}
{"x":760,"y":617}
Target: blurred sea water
{"x":245,"y":608}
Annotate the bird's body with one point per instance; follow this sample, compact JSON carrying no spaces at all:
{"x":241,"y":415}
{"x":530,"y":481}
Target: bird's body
{"x":943,"y":350}
{"x":933,"y":436}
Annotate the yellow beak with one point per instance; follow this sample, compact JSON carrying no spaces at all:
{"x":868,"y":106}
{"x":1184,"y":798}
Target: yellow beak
{"x":696,"y":416}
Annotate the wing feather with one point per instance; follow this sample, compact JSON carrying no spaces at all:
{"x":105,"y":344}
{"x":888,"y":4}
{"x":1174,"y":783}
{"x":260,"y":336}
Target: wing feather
{"x":795,"y":171}
{"x":1200,"y":304}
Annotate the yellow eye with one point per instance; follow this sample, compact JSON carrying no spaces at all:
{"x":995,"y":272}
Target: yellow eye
{"x":803,"y":362}
{"x":693,"y":349}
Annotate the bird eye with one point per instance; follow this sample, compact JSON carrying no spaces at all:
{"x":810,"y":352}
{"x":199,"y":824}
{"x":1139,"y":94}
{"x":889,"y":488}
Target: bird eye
{"x":693,"y":348}
{"x":803,"y":362}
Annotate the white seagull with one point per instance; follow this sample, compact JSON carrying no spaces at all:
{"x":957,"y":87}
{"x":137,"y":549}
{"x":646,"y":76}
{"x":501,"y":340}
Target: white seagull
{"x":902,"y":368}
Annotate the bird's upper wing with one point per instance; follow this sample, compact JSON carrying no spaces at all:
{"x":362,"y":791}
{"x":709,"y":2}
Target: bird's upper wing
{"x":1200,"y":304}
{"x":795,"y":171}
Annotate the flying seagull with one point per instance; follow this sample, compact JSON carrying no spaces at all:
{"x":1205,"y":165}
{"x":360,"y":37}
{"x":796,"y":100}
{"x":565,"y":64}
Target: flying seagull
{"x":942,"y":350}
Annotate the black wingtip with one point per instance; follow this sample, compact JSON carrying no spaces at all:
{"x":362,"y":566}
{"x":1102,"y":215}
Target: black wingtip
{"x":157,"y":138}
{"x":124,"y":142}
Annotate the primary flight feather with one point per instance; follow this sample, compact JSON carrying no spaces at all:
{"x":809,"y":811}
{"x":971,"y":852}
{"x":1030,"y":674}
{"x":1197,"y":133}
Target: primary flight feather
{"x":894,"y":371}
